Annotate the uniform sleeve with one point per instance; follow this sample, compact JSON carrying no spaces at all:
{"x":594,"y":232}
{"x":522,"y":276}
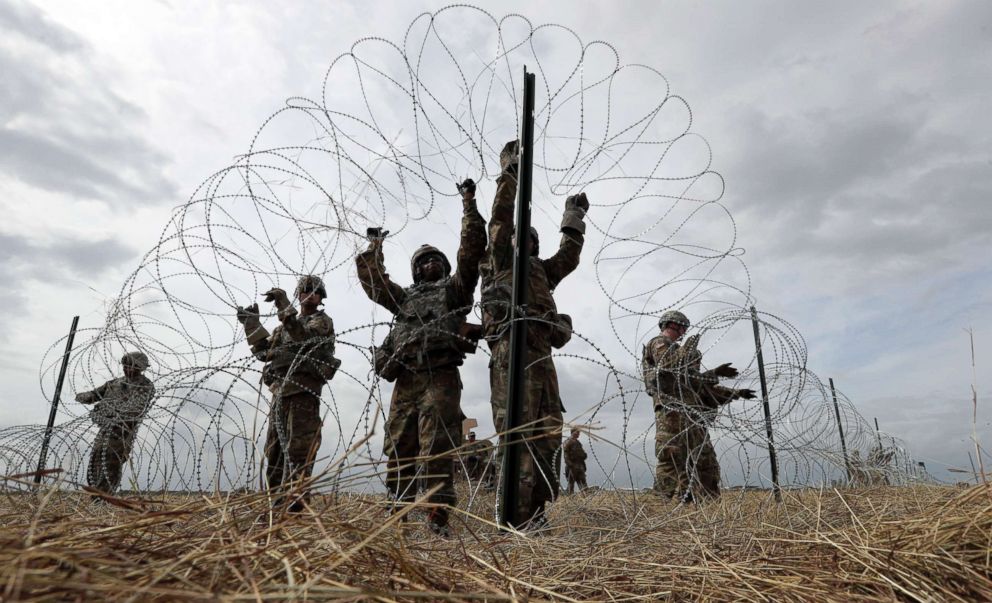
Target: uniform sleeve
{"x":501,"y":223}
{"x":665,"y":354}
{"x":471,"y":250}
{"x":299,"y":330}
{"x":146,"y":396}
{"x":718,"y":395}
{"x":376,"y":282}
{"x":96,"y":395}
{"x":566,"y":259}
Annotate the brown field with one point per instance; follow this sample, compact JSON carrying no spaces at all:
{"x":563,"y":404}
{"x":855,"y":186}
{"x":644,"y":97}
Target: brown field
{"x":913,"y":544}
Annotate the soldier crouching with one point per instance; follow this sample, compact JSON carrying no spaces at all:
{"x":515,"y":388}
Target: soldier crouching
{"x":121,"y":404}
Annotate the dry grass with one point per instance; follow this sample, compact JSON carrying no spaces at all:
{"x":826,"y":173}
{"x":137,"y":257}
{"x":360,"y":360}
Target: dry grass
{"x":923,"y":543}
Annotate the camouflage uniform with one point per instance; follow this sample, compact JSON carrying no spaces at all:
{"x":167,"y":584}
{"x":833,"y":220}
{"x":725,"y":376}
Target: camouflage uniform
{"x":476,"y":456}
{"x":299,"y":357}
{"x":121,"y":404}
{"x":575,"y":464}
{"x":542,"y":408}
{"x":422,"y":353}
{"x":685,"y":403}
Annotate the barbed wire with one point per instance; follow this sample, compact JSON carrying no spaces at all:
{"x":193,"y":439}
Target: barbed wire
{"x":395,"y":126}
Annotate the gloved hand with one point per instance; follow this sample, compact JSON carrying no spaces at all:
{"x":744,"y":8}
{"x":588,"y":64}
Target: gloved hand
{"x":509,"y":157}
{"x":579,"y":201}
{"x":726,"y":371}
{"x":84,"y":397}
{"x":467,"y":189}
{"x":575,"y":212}
{"x":244,"y":314}
{"x":278,"y":297}
{"x":746,"y":394}
{"x":376,"y":234}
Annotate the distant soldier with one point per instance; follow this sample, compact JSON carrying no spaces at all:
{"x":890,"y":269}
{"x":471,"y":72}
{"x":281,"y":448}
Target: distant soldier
{"x":299,"y":357}
{"x":575,"y":462}
{"x":686,"y":401}
{"x":121,"y":404}
{"x":427,"y":343}
{"x":546,"y":329}
{"x":477,"y":454}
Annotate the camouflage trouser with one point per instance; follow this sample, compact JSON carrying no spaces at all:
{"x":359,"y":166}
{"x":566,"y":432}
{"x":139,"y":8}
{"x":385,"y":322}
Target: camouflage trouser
{"x":575,"y":473}
{"x":111,"y":449}
{"x":424,"y":426}
{"x":293,"y":438}
{"x":540,"y":464}
{"x":686,"y":458}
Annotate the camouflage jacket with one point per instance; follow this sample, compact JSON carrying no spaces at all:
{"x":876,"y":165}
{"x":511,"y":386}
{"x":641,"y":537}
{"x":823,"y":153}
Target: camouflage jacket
{"x":479,"y":448}
{"x":428,"y":315}
{"x":299,"y":354}
{"x":545,"y":275}
{"x":573,"y":452}
{"x":120,"y":402}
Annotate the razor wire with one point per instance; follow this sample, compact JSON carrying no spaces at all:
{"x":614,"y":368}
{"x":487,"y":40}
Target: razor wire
{"x":395,"y":126}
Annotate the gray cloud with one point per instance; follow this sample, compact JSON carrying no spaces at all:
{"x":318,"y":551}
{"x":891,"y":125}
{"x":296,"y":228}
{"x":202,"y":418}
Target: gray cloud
{"x":61,"y":130}
{"x":23,"y":258}
{"x":23,"y":20}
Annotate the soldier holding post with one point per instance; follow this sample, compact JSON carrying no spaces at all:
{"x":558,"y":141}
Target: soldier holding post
{"x":546,"y":329}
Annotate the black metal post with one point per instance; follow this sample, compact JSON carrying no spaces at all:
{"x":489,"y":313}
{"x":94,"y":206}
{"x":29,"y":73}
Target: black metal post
{"x":518,"y":325}
{"x":840,"y":429}
{"x":878,"y":434}
{"x":768,"y":413}
{"x":55,"y":400}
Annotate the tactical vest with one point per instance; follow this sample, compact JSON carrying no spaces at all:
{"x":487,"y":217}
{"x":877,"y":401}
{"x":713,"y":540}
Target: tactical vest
{"x":549,"y":330}
{"x":313,"y":357}
{"x":425,"y":332}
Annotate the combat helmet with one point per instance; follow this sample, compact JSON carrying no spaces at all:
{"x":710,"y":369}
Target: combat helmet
{"x":425,"y":250}
{"x":136,"y":359}
{"x":673,"y":316}
{"x":536,"y":240}
{"x":310,"y":282}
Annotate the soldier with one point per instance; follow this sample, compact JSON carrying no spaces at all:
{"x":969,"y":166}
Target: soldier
{"x":477,"y":454}
{"x":422,"y":353}
{"x":121,"y":404}
{"x":299,"y":357}
{"x":575,"y":462}
{"x":686,"y":400}
{"x":546,"y":329}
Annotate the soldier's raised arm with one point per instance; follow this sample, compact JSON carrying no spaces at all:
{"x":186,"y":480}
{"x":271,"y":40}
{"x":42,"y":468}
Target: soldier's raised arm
{"x":93,"y":396}
{"x":257,"y":335}
{"x":471,"y":248}
{"x":373,"y":276}
{"x":298,"y":330}
{"x":501,"y":218}
{"x":573,"y":230}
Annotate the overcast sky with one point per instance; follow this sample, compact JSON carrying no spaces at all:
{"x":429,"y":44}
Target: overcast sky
{"x":854,"y":141}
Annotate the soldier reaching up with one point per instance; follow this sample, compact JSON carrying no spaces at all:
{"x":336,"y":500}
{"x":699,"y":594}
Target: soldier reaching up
{"x":546,"y":329}
{"x":299,"y":357}
{"x":422,"y":353}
